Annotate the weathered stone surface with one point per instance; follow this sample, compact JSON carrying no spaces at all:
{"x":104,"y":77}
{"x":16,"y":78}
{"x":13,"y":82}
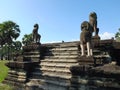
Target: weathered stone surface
{"x":21,"y":68}
{"x":33,"y":46}
{"x":86,"y":60}
{"x":21,"y":65}
{"x":62,"y":67}
{"x":80,"y":69}
{"x":108,"y":71}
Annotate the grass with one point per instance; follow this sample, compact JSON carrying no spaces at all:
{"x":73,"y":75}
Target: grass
{"x":3,"y":73}
{"x":3,"y":70}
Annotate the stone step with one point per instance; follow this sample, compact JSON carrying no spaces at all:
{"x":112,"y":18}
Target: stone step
{"x":58,"y":64}
{"x":63,"y":49}
{"x":13,"y":83}
{"x":31,"y":53}
{"x":17,"y":76}
{"x":52,"y":69}
{"x":68,"y":44}
{"x":62,"y":46}
{"x":57,"y":82}
{"x":62,"y":75}
{"x":38,"y":75}
{"x":55,"y":69}
{"x":13,"y":72}
{"x":35,"y":84}
{"x":16,"y":79}
{"x":61,"y":57}
{"x":59,"y":60}
{"x":27,"y":56}
{"x":61,"y":53}
{"x":69,"y":50}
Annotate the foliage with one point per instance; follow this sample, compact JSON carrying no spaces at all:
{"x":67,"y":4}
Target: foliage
{"x":27,"y":39}
{"x":3,"y":70}
{"x":7,"y":51}
{"x":17,"y":45}
{"x":117,"y":35}
{"x":9,"y":31}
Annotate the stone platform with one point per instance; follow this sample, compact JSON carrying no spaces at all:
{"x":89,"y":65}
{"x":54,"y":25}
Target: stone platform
{"x":59,"y":66}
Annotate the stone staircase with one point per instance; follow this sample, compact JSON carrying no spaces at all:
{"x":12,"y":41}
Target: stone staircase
{"x":55,"y":66}
{"x":54,"y":70}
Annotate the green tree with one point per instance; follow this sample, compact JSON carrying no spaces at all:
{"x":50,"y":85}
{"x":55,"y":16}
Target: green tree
{"x":9,"y":31}
{"x":4,"y":51}
{"x":13,"y":48}
{"x":27,"y":39}
{"x":17,"y":45}
{"x":117,"y":35}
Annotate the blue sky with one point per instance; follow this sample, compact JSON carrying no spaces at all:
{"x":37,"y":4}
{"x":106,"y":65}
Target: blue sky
{"x":60,"y":19}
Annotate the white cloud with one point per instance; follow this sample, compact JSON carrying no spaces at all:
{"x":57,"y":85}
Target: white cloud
{"x":107,"y":35}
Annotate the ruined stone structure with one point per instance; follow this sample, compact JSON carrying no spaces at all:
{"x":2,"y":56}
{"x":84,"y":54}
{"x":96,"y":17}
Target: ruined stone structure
{"x":58,"y":66}
{"x":21,"y":68}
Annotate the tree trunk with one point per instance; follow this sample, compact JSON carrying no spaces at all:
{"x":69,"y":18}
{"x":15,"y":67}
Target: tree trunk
{"x":2,"y":52}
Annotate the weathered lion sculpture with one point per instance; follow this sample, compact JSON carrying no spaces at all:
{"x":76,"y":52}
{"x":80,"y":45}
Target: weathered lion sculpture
{"x":93,"y":22}
{"x":36,"y":36}
{"x":85,"y":38}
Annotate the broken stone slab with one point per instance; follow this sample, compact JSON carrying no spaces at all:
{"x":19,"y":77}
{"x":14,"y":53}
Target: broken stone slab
{"x":108,"y":71}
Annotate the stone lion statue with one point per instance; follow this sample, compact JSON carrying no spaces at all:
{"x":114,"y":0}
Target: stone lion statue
{"x":85,"y":38}
{"x":93,"y":22}
{"x":36,"y":36}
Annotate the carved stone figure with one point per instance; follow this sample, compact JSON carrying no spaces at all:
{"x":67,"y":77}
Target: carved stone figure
{"x":36,"y":36}
{"x":85,"y":38}
{"x":93,"y":22}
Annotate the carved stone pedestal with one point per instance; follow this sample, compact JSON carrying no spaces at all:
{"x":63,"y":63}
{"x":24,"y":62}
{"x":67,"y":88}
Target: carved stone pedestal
{"x":90,"y":77}
{"x":96,"y":40}
{"x":32,"y":52}
{"x":78,"y":71}
{"x":84,"y":60}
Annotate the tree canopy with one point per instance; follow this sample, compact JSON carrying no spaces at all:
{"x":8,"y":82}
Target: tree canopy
{"x":27,"y":39}
{"x":117,"y":35}
{"x":9,"y":31}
